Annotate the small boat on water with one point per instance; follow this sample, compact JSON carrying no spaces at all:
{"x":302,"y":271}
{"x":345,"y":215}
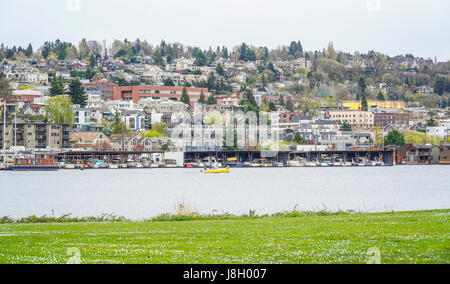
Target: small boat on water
{"x":169,"y":163}
{"x":217,"y":171}
{"x":38,"y":163}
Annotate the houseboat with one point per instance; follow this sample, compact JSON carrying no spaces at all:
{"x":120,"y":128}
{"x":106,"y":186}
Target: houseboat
{"x":38,"y":163}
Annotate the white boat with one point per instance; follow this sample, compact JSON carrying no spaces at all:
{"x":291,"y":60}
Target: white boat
{"x":298,"y":162}
{"x":154,"y":165}
{"x":5,"y":166}
{"x":114,"y":166}
{"x":359,"y":162}
{"x":294,"y":163}
{"x":139,"y":166}
{"x":321,"y":163}
{"x":124,"y":166}
{"x":169,"y":163}
{"x":346,"y":164}
{"x":378,"y":162}
{"x":337,"y":164}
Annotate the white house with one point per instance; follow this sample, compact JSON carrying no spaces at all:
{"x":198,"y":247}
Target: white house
{"x":437,"y":131}
{"x":82,"y":116}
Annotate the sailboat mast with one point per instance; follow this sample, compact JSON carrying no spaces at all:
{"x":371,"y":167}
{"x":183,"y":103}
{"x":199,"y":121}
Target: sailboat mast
{"x":15,"y":129}
{"x":4,"y":130}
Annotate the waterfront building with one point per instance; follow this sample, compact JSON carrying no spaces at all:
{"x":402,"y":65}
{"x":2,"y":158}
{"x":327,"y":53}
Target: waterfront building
{"x":36,"y":135}
{"x":418,"y":155}
{"x":444,"y":155}
{"x":138,"y":142}
{"x":89,"y":140}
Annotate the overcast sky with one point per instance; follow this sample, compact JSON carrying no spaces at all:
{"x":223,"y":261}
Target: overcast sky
{"x":420,"y":27}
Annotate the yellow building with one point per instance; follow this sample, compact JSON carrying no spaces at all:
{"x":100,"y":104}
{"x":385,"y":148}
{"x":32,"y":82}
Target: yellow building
{"x":356,"y":105}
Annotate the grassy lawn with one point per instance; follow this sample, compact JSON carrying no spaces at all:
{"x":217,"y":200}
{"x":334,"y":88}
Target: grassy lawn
{"x":406,"y":237}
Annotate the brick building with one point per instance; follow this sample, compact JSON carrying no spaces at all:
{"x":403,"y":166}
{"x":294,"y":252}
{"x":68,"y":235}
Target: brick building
{"x":394,"y":119}
{"x":136,"y":93}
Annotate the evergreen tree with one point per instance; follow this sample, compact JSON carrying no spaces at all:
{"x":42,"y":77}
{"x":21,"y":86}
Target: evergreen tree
{"x":380,"y":96}
{"x":290,"y":105}
{"x":211,"y":100}
{"x":346,"y":127}
{"x":185,"y":97}
{"x":92,"y":61}
{"x":117,"y":126}
{"x":362,"y":84}
{"x":77,"y":93}
{"x":364,"y":105}
{"x":298,"y":138}
{"x":202,"y":99}
{"x":169,"y":82}
{"x":225,"y":52}
{"x":281,"y":101}
{"x":394,"y":137}
{"x":407,"y":82}
{"x":272,"y":106}
{"x":220,"y":70}
{"x":246,"y":53}
{"x":29,"y":50}
{"x":56,"y":87}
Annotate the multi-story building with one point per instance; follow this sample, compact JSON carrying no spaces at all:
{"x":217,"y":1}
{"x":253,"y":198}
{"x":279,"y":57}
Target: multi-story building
{"x":33,"y":77}
{"x":36,"y":135}
{"x":82,"y":116}
{"x":394,"y":119}
{"x":355,"y":118}
{"x":162,"y":106}
{"x":106,"y":89}
{"x":356,"y":105}
{"x":136,"y":93}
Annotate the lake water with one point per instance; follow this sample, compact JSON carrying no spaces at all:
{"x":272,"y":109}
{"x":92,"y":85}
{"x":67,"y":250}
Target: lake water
{"x":145,"y":193}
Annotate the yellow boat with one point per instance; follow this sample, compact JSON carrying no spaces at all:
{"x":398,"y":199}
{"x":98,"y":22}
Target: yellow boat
{"x":217,"y":171}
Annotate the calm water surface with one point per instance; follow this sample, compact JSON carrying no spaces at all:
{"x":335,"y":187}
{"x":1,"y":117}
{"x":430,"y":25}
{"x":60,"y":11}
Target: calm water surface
{"x":145,"y":193}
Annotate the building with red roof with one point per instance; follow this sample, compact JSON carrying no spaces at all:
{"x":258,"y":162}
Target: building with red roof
{"x":136,"y":93}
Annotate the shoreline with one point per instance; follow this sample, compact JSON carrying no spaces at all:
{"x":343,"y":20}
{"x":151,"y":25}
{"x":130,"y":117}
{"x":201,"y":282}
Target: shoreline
{"x":400,"y":237}
{"x":193,"y":216}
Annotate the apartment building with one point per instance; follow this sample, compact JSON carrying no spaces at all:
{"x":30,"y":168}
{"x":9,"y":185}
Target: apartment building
{"x":355,"y":118}
{"x":136,"y":93}
{"x":36,"y":135}
{"x":394,"y":119}
{"x":106,"y":89}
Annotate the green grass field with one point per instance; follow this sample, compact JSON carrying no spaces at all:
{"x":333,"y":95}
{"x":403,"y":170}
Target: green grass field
{"x":406,"y":237}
